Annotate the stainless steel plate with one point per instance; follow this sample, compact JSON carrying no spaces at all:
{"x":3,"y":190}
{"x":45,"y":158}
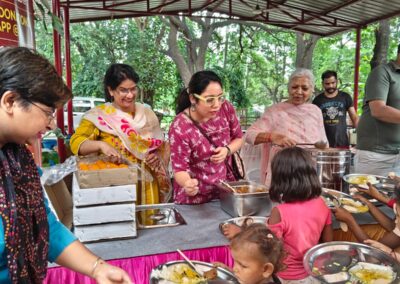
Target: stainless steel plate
{"x":330,"y":200}
{"x":158,"y":215}
{"x":330,"y":262}
{"x":383,"y":184}
{"x":223,"y":275}
{"x":340,"y":195}
{"x":347,"y":178}
{"x":239,"y":221}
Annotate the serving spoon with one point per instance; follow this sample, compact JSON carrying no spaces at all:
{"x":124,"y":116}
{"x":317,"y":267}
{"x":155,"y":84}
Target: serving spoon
{"x":228,"y":186}
{"x":319,"y":144}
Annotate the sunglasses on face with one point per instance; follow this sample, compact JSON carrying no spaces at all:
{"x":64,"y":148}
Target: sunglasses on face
{"x":210,"y":101}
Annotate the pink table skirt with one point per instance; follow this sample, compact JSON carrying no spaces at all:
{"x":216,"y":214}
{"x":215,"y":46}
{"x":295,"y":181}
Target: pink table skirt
{"x":139,"y":268}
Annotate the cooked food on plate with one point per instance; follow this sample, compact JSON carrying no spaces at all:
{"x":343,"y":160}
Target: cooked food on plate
{"x":353,"y":206}
{"x":182,"y":273}
{"x":368,"y":273}
{"x":362,"y":179}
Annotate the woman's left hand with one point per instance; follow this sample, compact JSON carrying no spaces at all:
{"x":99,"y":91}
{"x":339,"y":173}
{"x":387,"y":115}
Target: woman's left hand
{"x":109,"y":274}
{"x":220,"y":155}
{"x":152,"y":160}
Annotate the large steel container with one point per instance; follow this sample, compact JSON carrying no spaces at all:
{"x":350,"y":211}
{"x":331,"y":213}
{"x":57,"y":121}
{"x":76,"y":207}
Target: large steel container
{"x":331,"y":165}
{"x":255,"y":202}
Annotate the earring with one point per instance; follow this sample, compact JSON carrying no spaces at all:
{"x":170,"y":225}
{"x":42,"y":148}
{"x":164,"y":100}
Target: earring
{"x":193,"y":107}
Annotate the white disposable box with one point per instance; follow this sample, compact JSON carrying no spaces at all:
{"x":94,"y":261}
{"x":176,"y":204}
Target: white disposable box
{"x":106,"y":231}
{"x":102,"y":195}
{"x":103,"y":214}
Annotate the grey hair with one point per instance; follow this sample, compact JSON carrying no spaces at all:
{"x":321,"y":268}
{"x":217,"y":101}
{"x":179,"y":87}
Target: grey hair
{"x":303,"y":72}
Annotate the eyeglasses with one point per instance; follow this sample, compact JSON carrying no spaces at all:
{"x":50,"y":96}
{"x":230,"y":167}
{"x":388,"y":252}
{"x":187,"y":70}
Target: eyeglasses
{"x":125,"y":91}
{"x":210,"y":101}
{"x":51,"y":115}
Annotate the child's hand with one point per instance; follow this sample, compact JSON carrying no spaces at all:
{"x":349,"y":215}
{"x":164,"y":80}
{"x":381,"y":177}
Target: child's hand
{"x":342,"y":215}
{"x":371,"y":191}
{"x":378,"y":245}
{"x":222,"y":265}
{"x":230,"y":230}
{"x":361,"y":198}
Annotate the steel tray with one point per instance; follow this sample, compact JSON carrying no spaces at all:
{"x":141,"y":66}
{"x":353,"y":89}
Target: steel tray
{"x":384,"y":184}
{"x":223,"y":275}
{"x":336,"y":258}
{"x":158,"y":215}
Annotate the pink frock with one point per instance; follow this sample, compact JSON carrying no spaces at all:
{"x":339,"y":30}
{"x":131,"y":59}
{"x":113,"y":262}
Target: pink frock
{"x":191,"y":152}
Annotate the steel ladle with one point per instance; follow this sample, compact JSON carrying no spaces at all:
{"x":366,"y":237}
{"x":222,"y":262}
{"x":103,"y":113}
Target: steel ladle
{"x":319,"y":144}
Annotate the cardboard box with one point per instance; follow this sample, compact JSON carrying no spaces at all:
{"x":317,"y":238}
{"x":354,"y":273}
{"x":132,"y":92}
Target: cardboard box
{"x":61,"y":200}
{"x":104,"y":177}
{"x":102,"y":195}
{"x":106,"y":231}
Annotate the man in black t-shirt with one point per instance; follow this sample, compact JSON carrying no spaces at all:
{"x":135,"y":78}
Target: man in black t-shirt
{"x":334,"y":105}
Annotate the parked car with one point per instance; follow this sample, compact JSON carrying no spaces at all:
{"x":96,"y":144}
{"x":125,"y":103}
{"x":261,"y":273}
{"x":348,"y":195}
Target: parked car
{"x":80,"y":105}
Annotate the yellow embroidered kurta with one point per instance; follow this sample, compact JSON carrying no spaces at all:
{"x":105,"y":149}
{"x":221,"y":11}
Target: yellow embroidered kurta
{"x":88,"y":130}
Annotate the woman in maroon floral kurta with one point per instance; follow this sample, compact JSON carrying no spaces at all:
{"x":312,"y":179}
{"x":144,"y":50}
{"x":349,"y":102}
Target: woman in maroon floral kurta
{"x":198,"y":165}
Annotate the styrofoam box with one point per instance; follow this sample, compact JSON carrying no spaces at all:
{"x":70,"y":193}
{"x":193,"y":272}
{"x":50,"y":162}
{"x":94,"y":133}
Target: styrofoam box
{"x":106,"y":231}
{"x":104,"y":214}
{"x":102,"y":195}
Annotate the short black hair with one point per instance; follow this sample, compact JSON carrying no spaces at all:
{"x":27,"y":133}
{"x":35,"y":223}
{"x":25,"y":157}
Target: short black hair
{"x":294,"y":177}
{"x":32,"y":77}
{"x":115,"y":75}
{"x":327,"y":74}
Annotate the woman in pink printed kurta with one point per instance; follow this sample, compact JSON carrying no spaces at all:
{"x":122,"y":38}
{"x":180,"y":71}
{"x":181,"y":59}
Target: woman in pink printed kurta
{"x":197,"y":164}
{"x":288,"y":123}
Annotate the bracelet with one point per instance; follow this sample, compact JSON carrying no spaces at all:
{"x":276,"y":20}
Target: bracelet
{"x":96,"y":263}
{"x":268,"y":138}
{"x":229,"y":150}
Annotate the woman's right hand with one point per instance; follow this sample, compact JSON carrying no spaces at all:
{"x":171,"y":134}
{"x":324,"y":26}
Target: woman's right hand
{"x":282,"y":140}
{"x":191,"y":186}
{"x":108,"y":150}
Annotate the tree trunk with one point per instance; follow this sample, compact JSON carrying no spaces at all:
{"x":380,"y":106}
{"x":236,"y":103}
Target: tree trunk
{"x":382,"y":34}
{"x":305,"y":49}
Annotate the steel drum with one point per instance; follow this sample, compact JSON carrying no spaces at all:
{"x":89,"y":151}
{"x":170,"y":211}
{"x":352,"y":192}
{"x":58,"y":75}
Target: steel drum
{"x":332,"y":165}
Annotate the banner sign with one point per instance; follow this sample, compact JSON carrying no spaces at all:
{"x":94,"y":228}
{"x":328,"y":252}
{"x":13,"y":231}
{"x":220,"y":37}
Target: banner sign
{"x":16,"y":23}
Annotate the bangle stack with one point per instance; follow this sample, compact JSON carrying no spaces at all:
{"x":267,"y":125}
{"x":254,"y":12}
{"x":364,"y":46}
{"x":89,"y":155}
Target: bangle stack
{"x":229,"y":150}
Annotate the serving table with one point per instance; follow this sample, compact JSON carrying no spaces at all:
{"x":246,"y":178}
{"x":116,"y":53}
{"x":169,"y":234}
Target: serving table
{"x":200,"y":239}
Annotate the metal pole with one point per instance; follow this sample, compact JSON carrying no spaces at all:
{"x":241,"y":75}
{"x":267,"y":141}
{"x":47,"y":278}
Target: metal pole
{"x":68,"y":72}
{"x":58,"y":66}
{"x":357,"y":67}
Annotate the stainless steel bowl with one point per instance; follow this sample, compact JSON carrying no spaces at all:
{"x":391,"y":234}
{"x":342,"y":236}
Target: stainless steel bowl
{"x":330,"y":262}
{"x":254,"y":202}
{"x":223,"y":275}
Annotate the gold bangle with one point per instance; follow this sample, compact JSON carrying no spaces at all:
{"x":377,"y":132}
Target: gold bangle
{"x":96,"y":263}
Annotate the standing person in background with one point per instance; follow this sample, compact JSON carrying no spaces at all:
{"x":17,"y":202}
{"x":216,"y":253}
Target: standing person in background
{"x":123,"y":127}
{"x":30,"y":234}
{"x":335,"y":105}
{"x":378,"y":131}
{"x":203,"y":135}
{"x":288,"y":123}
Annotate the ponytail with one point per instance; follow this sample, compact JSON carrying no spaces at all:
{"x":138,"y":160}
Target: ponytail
{"x":183,"y":101}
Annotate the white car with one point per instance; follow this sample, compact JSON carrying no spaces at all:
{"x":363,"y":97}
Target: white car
{"x":80,"y":105}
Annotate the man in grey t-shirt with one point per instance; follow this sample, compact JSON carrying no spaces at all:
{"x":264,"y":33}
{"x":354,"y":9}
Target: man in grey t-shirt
{"x":378,"y":131}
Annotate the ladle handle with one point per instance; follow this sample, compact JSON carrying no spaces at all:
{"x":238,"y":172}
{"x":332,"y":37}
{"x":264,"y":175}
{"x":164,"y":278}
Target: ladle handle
{"x":188,"y":261}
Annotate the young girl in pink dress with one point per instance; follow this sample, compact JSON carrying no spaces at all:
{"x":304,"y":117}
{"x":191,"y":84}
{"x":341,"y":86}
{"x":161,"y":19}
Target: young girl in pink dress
{"x":302,"y":219}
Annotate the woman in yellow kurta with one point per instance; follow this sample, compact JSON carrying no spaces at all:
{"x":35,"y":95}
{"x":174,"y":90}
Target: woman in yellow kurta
{"x":124,"y":128}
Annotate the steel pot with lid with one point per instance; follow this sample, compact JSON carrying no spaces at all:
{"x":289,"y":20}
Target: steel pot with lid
{"x":331,"y":165}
